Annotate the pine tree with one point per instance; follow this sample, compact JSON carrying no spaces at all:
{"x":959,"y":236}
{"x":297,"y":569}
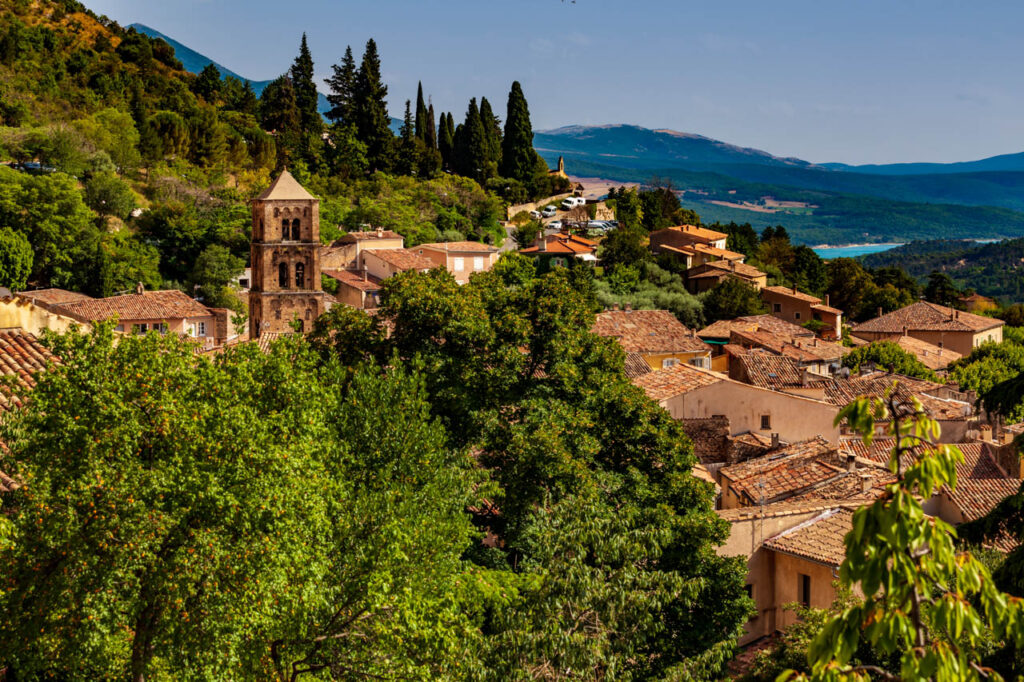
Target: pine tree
{"x":431,"y":135}
{"x":279,"y":113}
{"x":406,"y":161}
{"x":207,"y":83}
{"x":421,"y":113}
{"x":342,"y":84}
{"x":518,"y":158}
{"x":248,"y":101}
{"x":492,"y":130}
{"x":370,"y":111}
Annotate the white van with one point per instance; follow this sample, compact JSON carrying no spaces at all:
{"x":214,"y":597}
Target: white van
{"x":572,"y":202}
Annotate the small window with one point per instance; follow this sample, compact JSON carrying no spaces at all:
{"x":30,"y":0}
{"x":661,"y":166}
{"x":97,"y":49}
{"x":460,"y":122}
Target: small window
{"x":817,"y":316}
{"x":284,"y":229}
{"x":776,"y":307}
{"x":796,"y":316}
{"x":301,"y":324}
{"x":201,"y":328}
{"x":141,"y":328}
{"x":478,"y":264}
{"x":804,"y":589}
{"x":160,"y":327}
{"x":700,"y":361}
{"x":277,"y":314}
{"x":300,"y":275}
{"x":243,"y":283}
{"x":669,"y":362}
{"x":766,"y":422}
{"x":295,"y":230}
{"x":282,"y":275}
{"x":460,"y":264}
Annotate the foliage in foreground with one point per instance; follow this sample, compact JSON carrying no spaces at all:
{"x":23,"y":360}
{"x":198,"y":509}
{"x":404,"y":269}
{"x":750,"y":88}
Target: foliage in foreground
{"x":924,"y":601}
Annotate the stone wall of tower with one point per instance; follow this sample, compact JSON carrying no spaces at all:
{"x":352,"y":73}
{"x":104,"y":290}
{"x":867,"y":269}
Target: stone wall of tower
{"x":285,"y":259}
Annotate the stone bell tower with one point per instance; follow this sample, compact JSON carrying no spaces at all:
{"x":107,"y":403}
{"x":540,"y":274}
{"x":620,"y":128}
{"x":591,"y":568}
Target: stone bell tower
{"x":285,"y":258}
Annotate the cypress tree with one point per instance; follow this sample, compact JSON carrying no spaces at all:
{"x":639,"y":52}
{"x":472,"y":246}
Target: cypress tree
{"x":431,"y":136}
{"x":305,"y":90}
{"x":421,"y":113}
{"x":492,"y":131}
{"x":406,"y":164}
{"x":280,"y":114}
{"x":518,"y":158}
{"x":446,"y":142}
{"x":471,"y":154}
{"x":370,"y":111}
{"x":342,"y":84}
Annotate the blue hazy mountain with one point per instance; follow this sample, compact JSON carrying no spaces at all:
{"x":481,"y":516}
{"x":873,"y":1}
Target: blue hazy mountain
{"x":1003,"y":162}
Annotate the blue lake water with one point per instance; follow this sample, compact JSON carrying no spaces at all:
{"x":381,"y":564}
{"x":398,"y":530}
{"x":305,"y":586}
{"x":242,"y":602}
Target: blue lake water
{"x":827,"y":252}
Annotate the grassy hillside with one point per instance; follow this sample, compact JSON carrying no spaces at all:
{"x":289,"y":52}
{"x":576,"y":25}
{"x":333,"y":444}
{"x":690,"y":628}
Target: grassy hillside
{"x":832,"y":217}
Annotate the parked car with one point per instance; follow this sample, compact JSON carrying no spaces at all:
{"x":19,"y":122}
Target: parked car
{"x":570,"y":203}
{"x":535,"y":215}
{"x":549,"y":212}
{"x":555,"y":225}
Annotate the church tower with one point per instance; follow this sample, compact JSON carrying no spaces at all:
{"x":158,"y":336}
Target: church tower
{"x":285,"y":258}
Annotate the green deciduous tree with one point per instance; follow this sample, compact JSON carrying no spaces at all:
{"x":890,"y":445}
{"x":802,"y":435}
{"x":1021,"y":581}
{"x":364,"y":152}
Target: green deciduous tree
{"x":924,"y":601}
{"x":889,"y":356}
{"x":732,"y":298}
{"x":108,"y":195}
{"x":15,"y":259}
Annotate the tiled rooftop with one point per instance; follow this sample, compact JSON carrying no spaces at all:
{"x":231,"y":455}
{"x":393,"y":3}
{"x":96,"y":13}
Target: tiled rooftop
{"x":720,"y":267}
{"x":149,"y":305}
{"x":931,"y":356}
{"x":795,"y":294}
{"x":767,"y":370}
{"x":924,"y":316}
{"x":636,"y":366}
{"x":369,"y":235}
{"x":21,"y":357}
{"x":285,"y":188}
{"x":784,"y":473}
{"x":357,"y":279}
{"x":723,"y":328}
{"x":802,"y":349}
{"x":672,"y":381}
{"x":819,"y":539}
{"x":53,"y":296}
{"x":562,"y":244}
{"x":403,"y":259}
{"x":648,"y":331}
{"x":459,"y":246}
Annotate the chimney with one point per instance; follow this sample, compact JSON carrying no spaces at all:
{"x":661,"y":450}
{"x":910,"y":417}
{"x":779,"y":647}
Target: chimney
{"x":366,"y":275}
{"x":794,"y":289}
{"x":851,"y":462}
{"x":879,"y":311}
{"x":986,"y":432}
{"x":775,"y":441}
{"x":815,"y":341}
{"x":693,"y":333}
{"x":956,"y":314}
{"x":628,"y":307}
{"x":826,"y":300}
{"x":139,"y":289}
{"x":542,"y":244}
{"x":1007,"y":437}
{"x":865,"y":483}
{"x":732,"y":265}
{"x":380,"y":233}
{"x":905,"y":330}
{"x":615,"y":306}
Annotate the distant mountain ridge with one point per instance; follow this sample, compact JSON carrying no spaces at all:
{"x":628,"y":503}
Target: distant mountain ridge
{"x":1002,"y":162}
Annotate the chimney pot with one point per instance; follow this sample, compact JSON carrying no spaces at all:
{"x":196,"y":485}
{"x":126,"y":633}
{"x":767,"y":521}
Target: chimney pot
{"x":851,"y":463}
{"x":139,"y":289}
{"x":366,"y":276}
{"x":615,"y":306}
{"x":865,"y":483}
{"x":879,"y":311}
{"x":775,"y":441}
{"x":628,"y":307}
{"x":826,"y":299}
{"x":794,"y":289}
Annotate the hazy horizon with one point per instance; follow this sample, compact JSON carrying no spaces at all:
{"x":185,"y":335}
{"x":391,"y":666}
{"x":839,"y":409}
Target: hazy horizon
{"x":921,"y":82}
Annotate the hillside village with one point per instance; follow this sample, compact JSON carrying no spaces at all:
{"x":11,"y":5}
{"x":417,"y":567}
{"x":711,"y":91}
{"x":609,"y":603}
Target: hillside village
{"x":291,"y":389}
{"x":758,"y":395}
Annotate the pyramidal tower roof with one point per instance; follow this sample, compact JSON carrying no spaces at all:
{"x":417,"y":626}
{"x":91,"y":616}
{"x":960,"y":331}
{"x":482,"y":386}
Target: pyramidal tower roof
{"x":287,"y":188}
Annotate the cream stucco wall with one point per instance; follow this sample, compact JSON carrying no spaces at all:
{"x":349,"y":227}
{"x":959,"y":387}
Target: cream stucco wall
{"x":961,"y":342}
{"x":656,"y":360}
{"x":447,"y":260}
{"x":792,"y":417}
{"x":19,"y":313}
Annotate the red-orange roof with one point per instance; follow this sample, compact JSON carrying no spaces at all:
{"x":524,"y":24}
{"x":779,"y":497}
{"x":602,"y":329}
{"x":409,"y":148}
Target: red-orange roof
{"x":361,"y":280}
{"x":149,"y":305}
{"x":924,"y":316}
{"x":648,"y":331}
{"x":459,"y":246}
{"x":403,"y":259}
{"x":568,"y":244}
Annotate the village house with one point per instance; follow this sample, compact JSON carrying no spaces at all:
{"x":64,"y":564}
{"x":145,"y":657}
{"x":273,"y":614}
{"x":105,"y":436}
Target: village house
{"x":799,"y":308}
{"x":710,"y":274}
{"x":938,"y":325}
{"x":687,"y":235}
{"x":356,"y":288}
{"x":655,"y":335}
{"x":33,"y":315}
{"x":718,"y":334}
{"x":558,"y":249}
{"x":691,"y":246}
{"x":461,"y":259}
{"x":691,"y":393}
{"x":931,"y":356}
{"x":343,"y":252}
{"x":811,"y":354}
{"x":162,"y":311}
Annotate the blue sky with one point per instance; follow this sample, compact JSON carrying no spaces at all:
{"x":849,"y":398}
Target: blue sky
{"x":858,"y":82}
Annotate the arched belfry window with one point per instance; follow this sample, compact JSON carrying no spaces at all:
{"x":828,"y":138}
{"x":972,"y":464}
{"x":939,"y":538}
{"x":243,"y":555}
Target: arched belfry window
{"x":300,"y":275}
{"x":284,"y":229}
{"x":282,"y":275}
{"x":295,"y":230}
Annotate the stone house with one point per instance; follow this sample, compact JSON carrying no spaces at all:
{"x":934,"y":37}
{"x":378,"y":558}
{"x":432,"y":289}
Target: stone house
{"x":799,"y":308}
{"x":691,"y":393}
{"x":558,"y":249}
{"x":655,"y":335}
{"x":935,"y":324}
{"x":343,"y":253}
{"x":461,"y":259}
{"x":712,"y":273}
{"x":356,"y":288}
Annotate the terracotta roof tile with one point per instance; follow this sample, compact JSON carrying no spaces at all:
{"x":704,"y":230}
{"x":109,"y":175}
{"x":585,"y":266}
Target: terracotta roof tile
{"x":21,"y":356}
{"x":459,"y":246}
{"x":931,"y":356}
{"x":718,"y":268}
{"x":149,"y":305}
{"x":789,"y":507}
{"x":368,"y":235}
{"x":636,"y":366}
{"x":672,"y":381}
{"x":403,"y":259}
{"x":767,"y":370}
{"x":53,"y":296}
{"x":648,"y":331}
{"x":355,"y":279}
{"x":819,"y":539}
{"x":563,"y":244}
{"x":975,"y":498}
{"x":787,"y":472}
{"x":924,"y":316}
{"x":683,"y":234}
{"x":798,"y":295}
{"x":723,"y":328}
{"x":802,"y":349}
